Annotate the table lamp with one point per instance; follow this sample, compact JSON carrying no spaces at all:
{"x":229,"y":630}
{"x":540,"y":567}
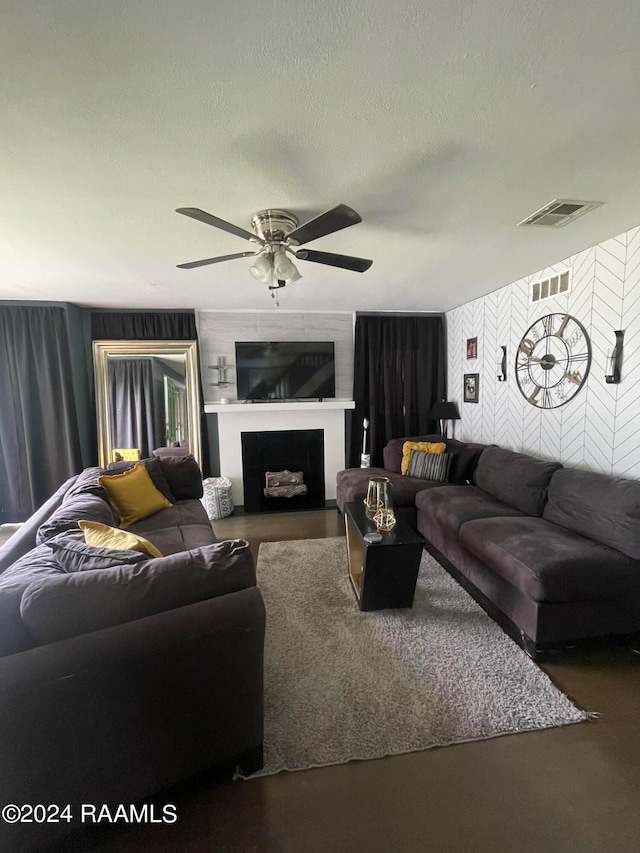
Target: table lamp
{"x":444,"y":411}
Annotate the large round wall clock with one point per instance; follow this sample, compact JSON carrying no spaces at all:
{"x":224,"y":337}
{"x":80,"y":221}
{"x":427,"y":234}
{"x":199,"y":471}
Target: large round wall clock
{"x":553,"y":360}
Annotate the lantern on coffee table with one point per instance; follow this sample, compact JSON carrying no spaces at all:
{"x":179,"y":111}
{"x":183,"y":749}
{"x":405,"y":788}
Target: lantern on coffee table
{"x":379,"y":505}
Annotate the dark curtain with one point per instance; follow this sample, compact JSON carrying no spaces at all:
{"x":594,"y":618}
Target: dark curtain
{"x":143,"y":326}
{"x":131,"y":389}
{"x":152,"y":326}
{"x":399,"y":373}
{"x":39,"y":439}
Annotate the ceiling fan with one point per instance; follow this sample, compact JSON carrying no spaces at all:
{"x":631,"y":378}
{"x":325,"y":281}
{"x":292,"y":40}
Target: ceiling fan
{"x":278,"y":234}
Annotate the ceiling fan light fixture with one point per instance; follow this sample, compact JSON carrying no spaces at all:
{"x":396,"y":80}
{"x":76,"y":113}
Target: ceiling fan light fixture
{"x":261,"y":269}
{"x":295,"y":277}
{"x":283,"y":268}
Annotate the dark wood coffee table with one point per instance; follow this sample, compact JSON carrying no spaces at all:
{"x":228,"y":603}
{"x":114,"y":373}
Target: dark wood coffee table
{"x":384,"y":574}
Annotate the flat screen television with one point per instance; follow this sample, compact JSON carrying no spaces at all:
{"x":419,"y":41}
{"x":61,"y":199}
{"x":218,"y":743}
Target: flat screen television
{"x":285,"y":370}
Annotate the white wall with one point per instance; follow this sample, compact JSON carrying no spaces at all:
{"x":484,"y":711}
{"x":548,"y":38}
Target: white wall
{"x":219,"y":330}
{"x":599,"y":428}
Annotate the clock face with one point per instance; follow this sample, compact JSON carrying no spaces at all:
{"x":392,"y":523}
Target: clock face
{"x":553,"y":360}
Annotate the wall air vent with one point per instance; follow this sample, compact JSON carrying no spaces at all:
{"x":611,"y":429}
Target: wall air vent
{"x":548,"y":288}
{"x":560,"y":212}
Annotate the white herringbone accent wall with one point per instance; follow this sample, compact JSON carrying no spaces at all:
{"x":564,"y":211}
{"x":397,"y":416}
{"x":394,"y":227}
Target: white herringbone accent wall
{"x":598,"y":428}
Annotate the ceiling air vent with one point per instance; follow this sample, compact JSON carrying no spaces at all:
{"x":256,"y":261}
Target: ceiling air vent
{"x":548,"y":288}
{"x":560,"y":212}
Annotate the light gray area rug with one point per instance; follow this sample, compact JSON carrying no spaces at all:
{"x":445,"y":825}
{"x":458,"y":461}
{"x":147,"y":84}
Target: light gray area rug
{"x":343,"y":685}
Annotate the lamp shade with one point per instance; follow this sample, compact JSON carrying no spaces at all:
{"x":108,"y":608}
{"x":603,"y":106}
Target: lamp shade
{"x":443,"y":410}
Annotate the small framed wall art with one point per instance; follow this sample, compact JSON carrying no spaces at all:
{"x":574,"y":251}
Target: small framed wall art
{"x":471,"y":383}
{"x":472,"y":347}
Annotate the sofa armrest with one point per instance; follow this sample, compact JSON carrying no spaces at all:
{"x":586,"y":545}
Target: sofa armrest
{"x":119,"y":714}
{"x":24,"y":539}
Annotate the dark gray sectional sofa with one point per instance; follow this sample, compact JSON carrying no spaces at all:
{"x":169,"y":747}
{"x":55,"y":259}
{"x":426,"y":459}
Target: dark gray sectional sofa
{"x":122,"y":674}
{"x":552,"y":553}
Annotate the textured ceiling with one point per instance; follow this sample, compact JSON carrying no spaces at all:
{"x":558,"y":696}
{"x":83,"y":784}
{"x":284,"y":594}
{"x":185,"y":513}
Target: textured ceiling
{"x":443,"y":124}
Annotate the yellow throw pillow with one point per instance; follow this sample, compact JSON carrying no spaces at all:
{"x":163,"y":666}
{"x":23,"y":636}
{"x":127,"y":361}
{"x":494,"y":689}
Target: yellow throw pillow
{"x":427,"y":446}
{"x":103,"y":536}
{"x":133,"y":495}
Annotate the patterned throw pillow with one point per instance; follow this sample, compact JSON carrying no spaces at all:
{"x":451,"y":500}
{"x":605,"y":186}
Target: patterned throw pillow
{"x":428,"y":446}
{"x":429,"y":466}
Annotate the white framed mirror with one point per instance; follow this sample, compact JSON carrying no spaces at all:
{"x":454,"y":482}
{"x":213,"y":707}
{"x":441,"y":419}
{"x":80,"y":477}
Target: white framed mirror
{"x":147,"y":396}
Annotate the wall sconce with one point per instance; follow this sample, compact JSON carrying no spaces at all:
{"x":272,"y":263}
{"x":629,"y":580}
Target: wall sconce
{"x":614,"y":360}
{"x":502,"y":365}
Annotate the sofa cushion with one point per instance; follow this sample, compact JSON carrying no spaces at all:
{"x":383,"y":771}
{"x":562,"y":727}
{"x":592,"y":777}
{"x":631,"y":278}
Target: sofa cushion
{"x":515,"y":478}
{"x":183,"y":476}
{"x":154,"y":469}
{"x":183,"y":512}
{"x":36,"y":565}
{"x":180,"y":537}
{"x":65,"y":519}
{"x":549,"y":563}
{"x":429,"y":465}
{"x":451,"y":506}
{"x":352,"y":486}
{"x":89,"y":601}
{"x":178,"y":528}
{"x":115,"y":539}
{"x":427,"y":446}
{"x":606,"y":509}
{"x":73,"y":554}
{"x":133,"y":495}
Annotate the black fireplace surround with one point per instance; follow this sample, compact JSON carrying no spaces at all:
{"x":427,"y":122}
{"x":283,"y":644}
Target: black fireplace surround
{"x":293,"y":450}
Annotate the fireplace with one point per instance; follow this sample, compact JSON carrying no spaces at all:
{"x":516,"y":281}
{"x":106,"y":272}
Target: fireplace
{"x":278,"y":450}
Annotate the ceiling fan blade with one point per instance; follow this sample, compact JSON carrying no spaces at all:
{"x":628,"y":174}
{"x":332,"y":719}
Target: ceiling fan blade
{"x":332,"y":220}
{"x":219,"y":260}
{"x":346,"y":262}
{"x":208,"y":219}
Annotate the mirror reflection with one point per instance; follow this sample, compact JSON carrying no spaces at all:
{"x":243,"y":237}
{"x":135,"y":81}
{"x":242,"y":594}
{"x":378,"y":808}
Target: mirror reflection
{"x":146,"y":397}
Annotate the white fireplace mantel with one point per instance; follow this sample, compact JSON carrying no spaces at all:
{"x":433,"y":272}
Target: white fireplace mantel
{"x":236,"y":418}
{"x":289,"y":406}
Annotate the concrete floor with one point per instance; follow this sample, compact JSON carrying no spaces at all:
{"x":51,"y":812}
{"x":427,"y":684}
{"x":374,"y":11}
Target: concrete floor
{"x":575,"y":789}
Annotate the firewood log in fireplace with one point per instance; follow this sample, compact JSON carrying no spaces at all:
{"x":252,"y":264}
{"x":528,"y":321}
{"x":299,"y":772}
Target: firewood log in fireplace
{"x":284,"y":484}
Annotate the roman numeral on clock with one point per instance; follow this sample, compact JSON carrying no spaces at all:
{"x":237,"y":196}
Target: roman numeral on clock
{"x":573,"y":376}
{"x":562,"y":327}
{"x":526,"y":346}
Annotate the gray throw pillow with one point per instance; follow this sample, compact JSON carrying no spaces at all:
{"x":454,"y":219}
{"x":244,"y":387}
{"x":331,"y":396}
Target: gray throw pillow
{"x":88,"y":601}
{"x":429,"y":466}
{"x":183,"y":476}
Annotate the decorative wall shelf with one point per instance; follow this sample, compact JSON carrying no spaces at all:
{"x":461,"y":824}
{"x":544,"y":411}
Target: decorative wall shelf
{"x":222,"y":368}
